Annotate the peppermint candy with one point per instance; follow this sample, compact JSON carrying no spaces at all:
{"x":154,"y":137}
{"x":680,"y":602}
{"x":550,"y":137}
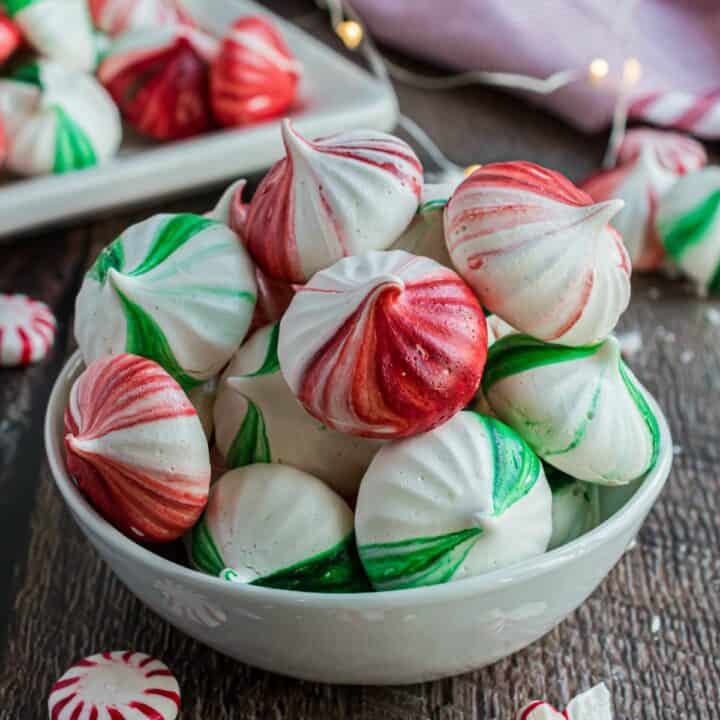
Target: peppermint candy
{"x":539,"y":253}
{"x":56,"y":119}
{"x":118,"y":685}
{"x":593,"y":704}
{"x":27,"y":330}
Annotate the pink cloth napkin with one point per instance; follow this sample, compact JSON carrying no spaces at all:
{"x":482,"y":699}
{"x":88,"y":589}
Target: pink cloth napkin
{"x":676,"y":41}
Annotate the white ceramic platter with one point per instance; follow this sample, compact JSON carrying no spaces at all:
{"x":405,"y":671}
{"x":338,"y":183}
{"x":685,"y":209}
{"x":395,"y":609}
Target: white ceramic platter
{"x":335,"y":95}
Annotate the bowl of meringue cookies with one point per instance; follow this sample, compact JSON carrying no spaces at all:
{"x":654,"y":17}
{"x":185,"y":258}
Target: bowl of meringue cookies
{"x":361,"y":429}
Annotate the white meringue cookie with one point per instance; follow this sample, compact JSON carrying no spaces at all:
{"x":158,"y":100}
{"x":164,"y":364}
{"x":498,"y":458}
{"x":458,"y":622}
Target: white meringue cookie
{"x":538,"y":253}
{"x":276,"y":526}
{"x":258,"y":419}
{"x":330,"y":198}
{"x":61,"y":30}
{"x":56,"y":119}
{"x":203,"y":399}
{"x":179,"y":289}
{"x":581,"y":409}
{"x":575,"y":507}
{"x":688,"y":222}
{"x":467,"y":497}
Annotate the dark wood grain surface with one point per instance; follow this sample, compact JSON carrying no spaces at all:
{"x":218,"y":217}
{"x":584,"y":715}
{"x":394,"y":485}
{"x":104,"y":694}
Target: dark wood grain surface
{"x":651,"y":631}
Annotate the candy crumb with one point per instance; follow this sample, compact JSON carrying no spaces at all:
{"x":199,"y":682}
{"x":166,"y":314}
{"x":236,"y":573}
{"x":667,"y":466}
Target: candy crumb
{"x":631,"y":342}
{"x":655,"y":624}
{"x":712,"y":315}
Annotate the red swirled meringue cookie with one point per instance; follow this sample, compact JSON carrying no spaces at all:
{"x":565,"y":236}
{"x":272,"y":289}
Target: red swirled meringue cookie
{"x":539,"y":253}
{"x":118,"y":685}
{"x":648,"y":165}
{"x":135,"y":447}
{"x":255,"y":76}
{"x":385,"y":344}
{"x":330,"y":198}
{"x":158,"y":76}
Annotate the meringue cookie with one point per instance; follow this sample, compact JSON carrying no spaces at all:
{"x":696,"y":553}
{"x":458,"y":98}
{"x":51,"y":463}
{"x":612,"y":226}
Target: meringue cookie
{"x":56,"y":119}
{"x":58,"y":29}
{"x":27,"y":330}
{"x":461,"y":500}
{"x":258,"y":419}
{"x":580,"y":408}
{"x":179,"y":289}
{"x":135,"y":447}
{"x":203,"y":399}
{"x":115,"y":17}
{"x":649,"y":163}
{"x":255,"y":76}
{"x":172,"y":100}
{"x":426,"y":235}
{"x":538,"y":253}
{"x":119,"y":685}
{"x":385,"y":344}
{"x":330,"y":198}
{"x":575,"y":507}
{"x":276,"y":526}
{"x":688,"y":222}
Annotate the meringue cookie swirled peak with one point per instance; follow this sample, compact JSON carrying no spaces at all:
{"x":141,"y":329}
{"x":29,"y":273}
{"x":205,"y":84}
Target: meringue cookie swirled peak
{"x":649,"y":164}
{"x":384,"y":345}
{"x":688,"y":222}
{"x":330,"y":198}
{"x":178,"y":289}
{"x":465,"y":498}
{"x":539,"y":253}
{"x":276,"y":526}
{"x":580,"y":408}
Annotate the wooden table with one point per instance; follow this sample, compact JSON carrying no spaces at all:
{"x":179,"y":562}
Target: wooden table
{"x":651,"y":631}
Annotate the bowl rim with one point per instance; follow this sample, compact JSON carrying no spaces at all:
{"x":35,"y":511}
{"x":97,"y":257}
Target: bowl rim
{"x":84,"y":514}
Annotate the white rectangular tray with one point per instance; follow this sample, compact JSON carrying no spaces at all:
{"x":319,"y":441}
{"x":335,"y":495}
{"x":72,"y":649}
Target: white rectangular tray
{"x":335,"y":94}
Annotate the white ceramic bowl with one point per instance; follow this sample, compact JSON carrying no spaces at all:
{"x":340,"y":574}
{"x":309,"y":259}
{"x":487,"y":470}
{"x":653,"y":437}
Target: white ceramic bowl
{"x":404,"y":636}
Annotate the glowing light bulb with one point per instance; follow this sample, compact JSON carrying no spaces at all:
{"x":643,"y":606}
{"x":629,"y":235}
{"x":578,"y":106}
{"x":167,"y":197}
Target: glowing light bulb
{"x":632,"y":71}
{"x":470,"y":169}
{"x":599,"y":68}
{"x":350,"y":32}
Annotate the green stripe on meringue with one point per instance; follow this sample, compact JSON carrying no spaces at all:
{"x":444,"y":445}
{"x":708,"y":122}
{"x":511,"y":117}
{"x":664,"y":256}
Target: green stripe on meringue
{"x":251,"y":444}
{"x":171,"y":237}
{"x":146,"y":338}
{"x":680,"y":233}
{"x":13,"y":7}
{"x":271,"y":362}
{"x":204,"y":554}
{"x":111,"y":258}
{"x":337,"y":570}
{"x":73,"y":149}
{"x":28,"y":73}
{"x":517,"y":353}
{"x":418,"y":561}
{"x":646,"y":411}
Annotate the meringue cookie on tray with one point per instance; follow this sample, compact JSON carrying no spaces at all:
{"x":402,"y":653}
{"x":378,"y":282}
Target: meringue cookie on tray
{"x":330,"y":198}
{"x":179,"y":289}
{"x":258,"y":420}
{"x":276,"y":526}
{"x":56,"y":119}
{"x":385,"y":344}
{"x":688,"y":222}
{"x":649,"y":164}
{"x":580,"y":408}
{"x":539,"y":253}
{"x":465,"y":498}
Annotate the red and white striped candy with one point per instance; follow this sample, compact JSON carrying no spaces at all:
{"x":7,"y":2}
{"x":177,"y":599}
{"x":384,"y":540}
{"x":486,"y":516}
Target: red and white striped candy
{"x":331,"y":198}
{"x":27,"y":330}
{"x":136,"y":448}
{"x":255,"y":75}
{"x":385,"y":344}
{"x":593,"y":704}
{"x":539,"y":253}
{"x":119,"y":685}
{"x":649,"y":163}
{"x":158,"y":76}
{"x":698,"y":114}
{"x":540,"y":710}
{"x":118,"y":16}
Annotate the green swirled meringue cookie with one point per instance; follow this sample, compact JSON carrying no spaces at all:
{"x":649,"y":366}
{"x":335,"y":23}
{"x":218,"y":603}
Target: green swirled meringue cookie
{"x":259,"y":420}
{"x":276,"y":526}
{"x":575,"y":507}
{"x":56,"y":119}
{"x":580,"y":408}
{"x":58,"y":29}
{"x":178,"y":289}
{"x":688,"y":223}
{"x":467,"y":497}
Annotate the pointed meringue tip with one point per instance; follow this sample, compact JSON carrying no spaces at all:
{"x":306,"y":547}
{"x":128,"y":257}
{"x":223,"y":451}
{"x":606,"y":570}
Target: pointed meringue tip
{"x":295,"y":143}
{"x":608,"y":209}
{"x":232,"y":195}
{"x":117,"y":279}
{"x":611,"y":347}
{"x":77,"y":444}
